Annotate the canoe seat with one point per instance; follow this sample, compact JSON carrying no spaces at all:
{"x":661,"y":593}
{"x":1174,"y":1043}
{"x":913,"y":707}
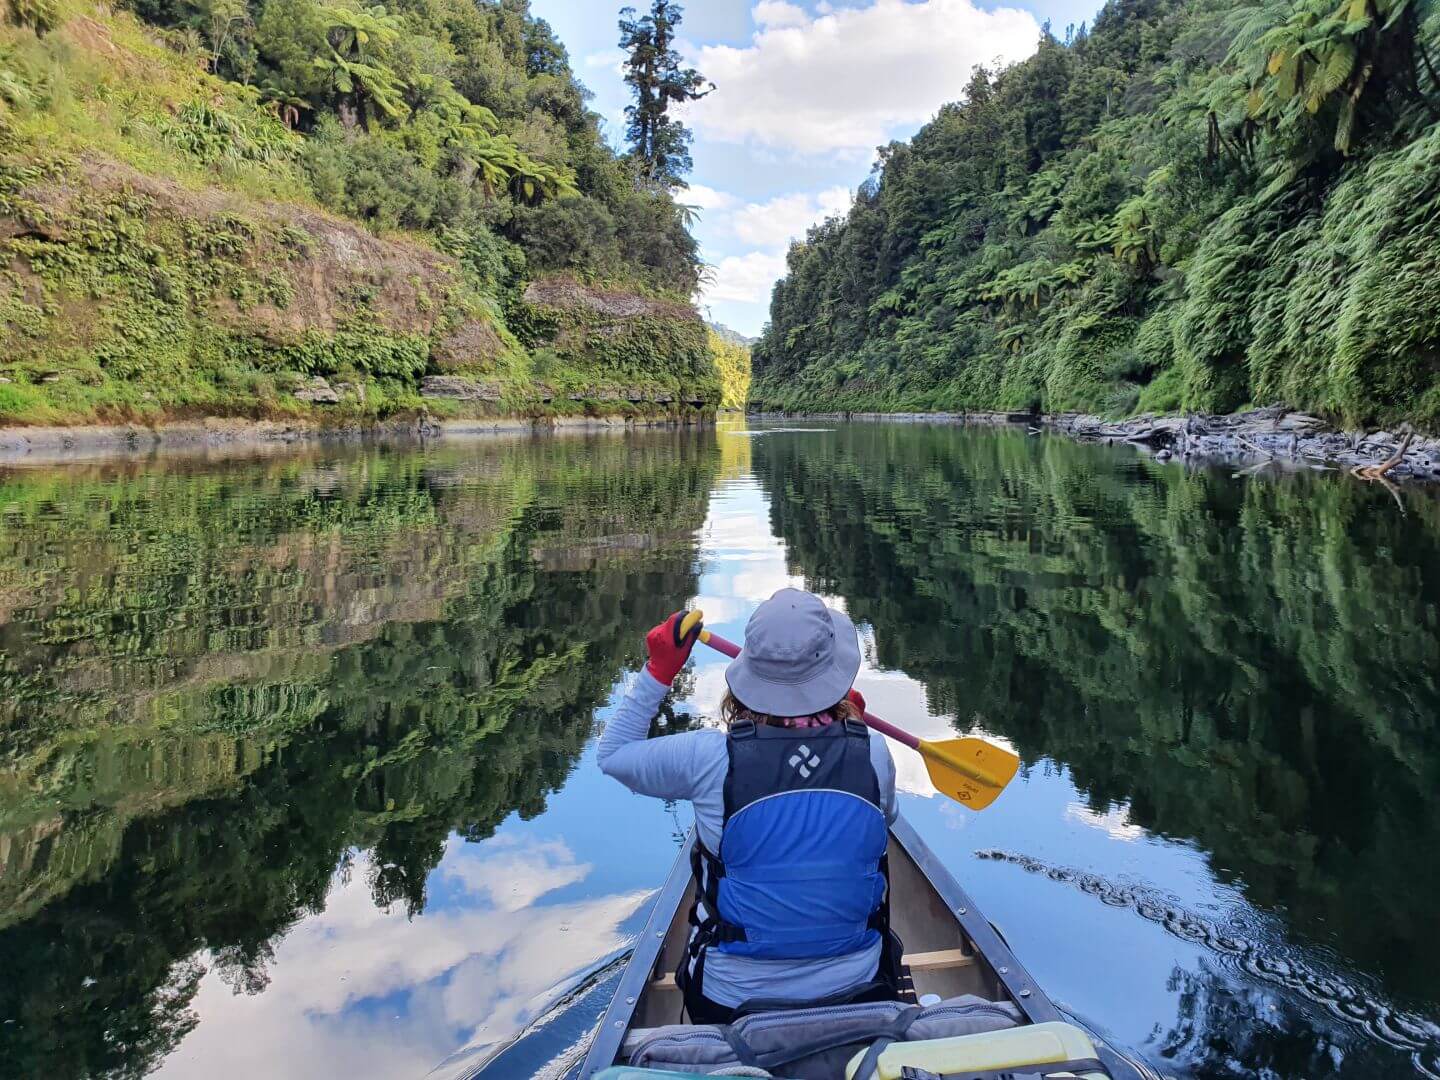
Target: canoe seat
{"x":919,"y":961}
{"x":1042,"y":1050}
{"x":809,"y":1044}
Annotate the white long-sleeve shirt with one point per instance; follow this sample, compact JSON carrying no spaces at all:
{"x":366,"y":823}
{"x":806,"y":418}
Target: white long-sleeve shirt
{"x":691,"y":765}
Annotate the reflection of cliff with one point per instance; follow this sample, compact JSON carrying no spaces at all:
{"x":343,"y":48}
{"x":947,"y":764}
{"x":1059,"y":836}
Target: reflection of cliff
{"x":1251,"y":665}
{"x":425,"y":675}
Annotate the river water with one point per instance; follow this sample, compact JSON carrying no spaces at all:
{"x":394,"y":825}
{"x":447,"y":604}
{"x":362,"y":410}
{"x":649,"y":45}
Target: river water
{"x":297,"y":753}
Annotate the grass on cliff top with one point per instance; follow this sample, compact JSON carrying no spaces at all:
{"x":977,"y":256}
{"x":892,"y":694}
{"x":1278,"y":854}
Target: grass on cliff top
{"x":102,"y":82}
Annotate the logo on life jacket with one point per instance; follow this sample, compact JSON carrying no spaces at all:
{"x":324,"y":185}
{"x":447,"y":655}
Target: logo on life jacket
{"x":803,"y":761}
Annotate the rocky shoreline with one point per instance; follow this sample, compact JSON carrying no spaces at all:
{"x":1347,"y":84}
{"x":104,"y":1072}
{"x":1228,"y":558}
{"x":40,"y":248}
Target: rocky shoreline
{"x":1274,"y":437}
{"x":43,"y":445}
{"x":1271,"y":437}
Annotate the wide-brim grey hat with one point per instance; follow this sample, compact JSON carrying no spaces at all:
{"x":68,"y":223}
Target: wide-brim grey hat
{"x":800,"y":657}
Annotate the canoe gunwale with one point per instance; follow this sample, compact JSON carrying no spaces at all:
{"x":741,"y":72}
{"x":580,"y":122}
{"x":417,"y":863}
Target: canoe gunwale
{"x":605,"y":1047}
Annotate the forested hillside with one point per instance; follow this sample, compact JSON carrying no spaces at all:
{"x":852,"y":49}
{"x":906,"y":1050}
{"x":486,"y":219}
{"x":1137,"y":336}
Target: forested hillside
{"x":206,"y":205}
{"x":1188,"y":205}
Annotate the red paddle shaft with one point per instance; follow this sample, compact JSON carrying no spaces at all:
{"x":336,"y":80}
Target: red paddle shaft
{"x":730,"y":649}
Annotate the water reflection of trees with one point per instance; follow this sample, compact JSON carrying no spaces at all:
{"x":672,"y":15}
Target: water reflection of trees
{"x":236,"y":678}
{"x":1250,"y":665}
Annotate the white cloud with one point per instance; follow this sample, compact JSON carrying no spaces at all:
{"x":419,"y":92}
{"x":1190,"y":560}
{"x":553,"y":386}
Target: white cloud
{"x":775,"y":223}
{"x":745,"y":279}
{"x":707,"y":198}
{"x":777,"y":13}
{"x":609,"y":59}
{"x":842,"y":81}
{"x":768,"y":226}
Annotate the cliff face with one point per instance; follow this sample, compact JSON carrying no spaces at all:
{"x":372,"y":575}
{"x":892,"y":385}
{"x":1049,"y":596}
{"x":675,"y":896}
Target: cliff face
{"x":127,"y":297}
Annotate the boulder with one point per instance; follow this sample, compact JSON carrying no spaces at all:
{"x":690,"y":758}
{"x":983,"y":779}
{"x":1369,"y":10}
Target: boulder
{"x":317,"y":392}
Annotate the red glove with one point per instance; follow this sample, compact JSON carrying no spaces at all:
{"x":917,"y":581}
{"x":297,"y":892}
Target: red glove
{"x":857,"y":699}
{"x":668,"y":652}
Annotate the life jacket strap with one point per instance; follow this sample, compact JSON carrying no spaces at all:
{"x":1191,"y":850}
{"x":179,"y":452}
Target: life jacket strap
{"x":707,"y":871}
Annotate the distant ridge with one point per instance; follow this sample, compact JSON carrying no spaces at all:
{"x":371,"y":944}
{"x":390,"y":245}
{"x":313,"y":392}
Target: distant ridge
{"x":734,"y":337}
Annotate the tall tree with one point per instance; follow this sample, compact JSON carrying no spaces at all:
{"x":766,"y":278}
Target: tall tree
{"x":659,"y":143}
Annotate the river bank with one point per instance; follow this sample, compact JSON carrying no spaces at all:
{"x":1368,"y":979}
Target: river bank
{"x":42,"y":445}
{"x":1273,"y":437}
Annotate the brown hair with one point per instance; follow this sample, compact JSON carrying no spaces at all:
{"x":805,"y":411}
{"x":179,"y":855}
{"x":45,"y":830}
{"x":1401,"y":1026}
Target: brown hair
{"x":733,"y":709}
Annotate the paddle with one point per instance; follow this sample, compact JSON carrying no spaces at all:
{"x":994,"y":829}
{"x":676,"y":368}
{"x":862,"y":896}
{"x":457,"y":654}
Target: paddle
{"x":970,"y":771}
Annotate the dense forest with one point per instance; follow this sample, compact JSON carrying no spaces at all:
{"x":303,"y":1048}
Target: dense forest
{"x":1187,"y":205}
{"x":161,"y":165}
{"x":354,"y":662}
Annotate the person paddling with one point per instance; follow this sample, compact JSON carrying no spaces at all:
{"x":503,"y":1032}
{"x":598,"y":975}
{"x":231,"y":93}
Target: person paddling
{"x":792,"y":805}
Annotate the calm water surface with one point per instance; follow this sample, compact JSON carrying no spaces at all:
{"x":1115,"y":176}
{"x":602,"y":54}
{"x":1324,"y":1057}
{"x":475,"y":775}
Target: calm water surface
{"x":296,"y":754}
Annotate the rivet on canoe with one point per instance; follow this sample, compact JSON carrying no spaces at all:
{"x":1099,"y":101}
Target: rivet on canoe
{"x":629,"y":1001}
{"x":962,"y":911}
{"x":660,"y":933}
{"x":1024,"y":993}
{"x":620,"y":1024}
{"x":1004,"y":971}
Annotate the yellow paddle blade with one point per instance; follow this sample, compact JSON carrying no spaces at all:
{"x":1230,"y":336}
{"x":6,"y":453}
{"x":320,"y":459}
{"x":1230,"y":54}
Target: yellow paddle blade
{"x":971,"y":771}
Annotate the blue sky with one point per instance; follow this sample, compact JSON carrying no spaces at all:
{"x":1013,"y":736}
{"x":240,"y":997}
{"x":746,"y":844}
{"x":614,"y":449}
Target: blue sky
{"x":806,"y":89}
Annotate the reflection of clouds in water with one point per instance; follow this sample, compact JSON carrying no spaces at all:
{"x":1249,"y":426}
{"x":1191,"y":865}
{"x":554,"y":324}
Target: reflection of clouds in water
{"x":1115,"y":822}
{"x":902,"y":701}
{"x":721,"y":609}
{"x":710,"y":687}
{"x":761,"y":583}
{"x":358,"y":990}
{"x":512,"y":876}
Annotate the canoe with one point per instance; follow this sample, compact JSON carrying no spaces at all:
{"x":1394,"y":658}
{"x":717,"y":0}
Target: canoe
{"x":950,"y":949}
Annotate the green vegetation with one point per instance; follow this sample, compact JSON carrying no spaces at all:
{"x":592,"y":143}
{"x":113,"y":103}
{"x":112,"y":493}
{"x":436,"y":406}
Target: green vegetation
{"x":585,"y":338}
{"x":733,"y":362}
{"x":1188,"y":206}
{"x":204,"y":206}
{"x":220,"y":683}
{"x":1249,"y":666}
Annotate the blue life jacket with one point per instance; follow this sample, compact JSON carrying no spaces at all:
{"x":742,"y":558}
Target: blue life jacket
{"x":799,"y":874}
